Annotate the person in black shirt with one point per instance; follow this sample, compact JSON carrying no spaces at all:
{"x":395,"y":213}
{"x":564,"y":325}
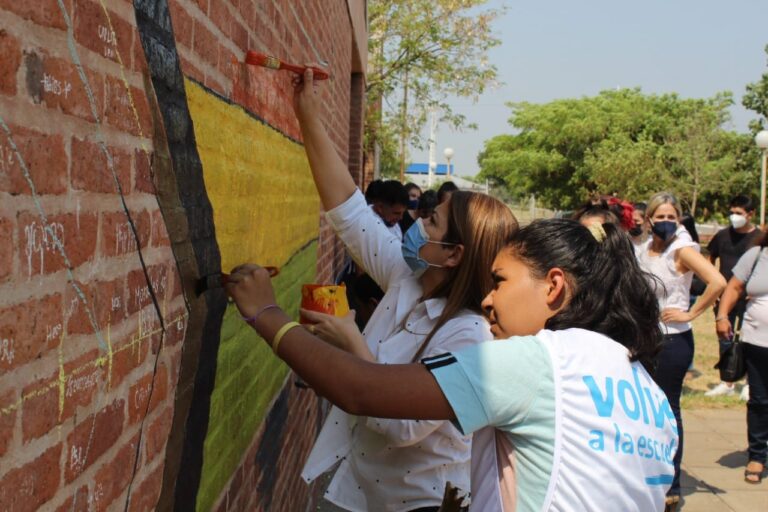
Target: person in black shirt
{"x":410,"y":216}
{"x":728,"y":245}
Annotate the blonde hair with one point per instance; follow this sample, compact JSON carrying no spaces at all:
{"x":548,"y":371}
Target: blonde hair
{"x":661,"y":198}
{"x":483,"y":225}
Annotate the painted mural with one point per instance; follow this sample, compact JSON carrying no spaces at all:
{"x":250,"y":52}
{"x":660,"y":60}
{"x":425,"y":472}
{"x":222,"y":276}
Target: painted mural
{"x":265,"y":210}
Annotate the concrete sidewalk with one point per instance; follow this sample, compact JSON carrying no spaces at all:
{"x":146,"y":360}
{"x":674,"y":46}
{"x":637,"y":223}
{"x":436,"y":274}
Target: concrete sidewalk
{"x":713,"y":463}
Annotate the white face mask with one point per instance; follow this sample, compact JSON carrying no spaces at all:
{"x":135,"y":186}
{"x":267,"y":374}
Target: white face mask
{"x":737,"y":221}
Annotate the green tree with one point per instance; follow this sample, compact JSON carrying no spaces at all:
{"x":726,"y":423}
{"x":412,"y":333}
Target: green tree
{"x":756,"y":99}
{"x":620,"y":142}
{"x":420,"y":53}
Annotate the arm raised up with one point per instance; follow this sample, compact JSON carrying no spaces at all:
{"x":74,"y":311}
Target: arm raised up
{"x":332,"y":178}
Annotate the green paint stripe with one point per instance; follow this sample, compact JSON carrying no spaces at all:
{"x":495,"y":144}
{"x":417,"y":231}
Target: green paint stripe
{"x":248,"y":377}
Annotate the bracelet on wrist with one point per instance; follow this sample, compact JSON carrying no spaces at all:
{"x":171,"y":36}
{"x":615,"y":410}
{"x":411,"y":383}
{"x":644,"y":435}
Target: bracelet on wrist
{"x":719,"y":318}
{"x":251,"y":319}
{"x":280,"y":333}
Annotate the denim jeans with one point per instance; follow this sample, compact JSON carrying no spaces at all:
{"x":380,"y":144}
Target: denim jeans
{"x":757,"y":407}
{"x":671,"y":365}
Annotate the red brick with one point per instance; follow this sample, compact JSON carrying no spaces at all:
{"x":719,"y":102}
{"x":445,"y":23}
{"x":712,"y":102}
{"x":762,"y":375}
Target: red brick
{"x":28,"y":487}
{"x":176,"y":327}
{"x":41,"y":12}
{"x":28,"y":330}
{"x":144,"y":177}
{"x":203,"y":4}
{"x":227,"y":63}
{"x":127,"y":356}
{"x":105,"y":306}
{"x":220,"y":16}
{"x":102,"y":31}
{"x":39,"y":251}
{"x":40,"y":409}
{"x":126,"y":107}
{"x":57,"y":84}
{"x":182,"y":24}
{"x":91,"y":170}
{"x":159,"y":233}
{"x":157,"y":434}
{"x":8,"y":407}
{"x":113,"y":477}
{"x":10,"y":56}
{"x":91,"y":438}
{"x":143,"y":391}
{"x":117,"y":235}
{"x":6,"y":248}
{"x":42,"y":399}
{"x":76,"y":503}
{"x":43,"y":157}
{"x":84,"y":376}
{"x":144,"y":497}
{"x":138,"y":290}
{"x":205,"y":45}
{"x":239,"y":35}
{"x":191,"y":70}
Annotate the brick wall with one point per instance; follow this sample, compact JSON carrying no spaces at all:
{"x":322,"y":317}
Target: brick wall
{"x":104,"y":206}
{"x":91,"y":307}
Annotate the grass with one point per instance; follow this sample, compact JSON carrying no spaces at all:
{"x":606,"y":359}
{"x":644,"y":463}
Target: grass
{"x":706,"y":355}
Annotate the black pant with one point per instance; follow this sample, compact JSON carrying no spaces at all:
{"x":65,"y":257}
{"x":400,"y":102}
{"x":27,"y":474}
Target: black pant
{"x":757,"y":407}
{"x":671,"y":365}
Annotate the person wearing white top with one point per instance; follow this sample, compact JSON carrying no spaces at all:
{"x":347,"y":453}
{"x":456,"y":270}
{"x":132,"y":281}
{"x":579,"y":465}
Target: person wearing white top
{"x":671,"y":257}
{"x":434,"y":282}
{"x":566,"y":414}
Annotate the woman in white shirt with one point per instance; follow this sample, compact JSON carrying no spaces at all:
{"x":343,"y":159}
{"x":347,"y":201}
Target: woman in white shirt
{"x":434,"y":282}
{"x":671,"y":258}
{"x":569,"y":387}
{"x":751,"y":275}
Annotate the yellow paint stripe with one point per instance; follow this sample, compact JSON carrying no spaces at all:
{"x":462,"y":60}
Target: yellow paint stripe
{"x":265,"y":206}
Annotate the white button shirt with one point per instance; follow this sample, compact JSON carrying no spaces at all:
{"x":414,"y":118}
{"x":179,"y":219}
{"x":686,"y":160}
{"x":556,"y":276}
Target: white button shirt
{"x":393,"y":465}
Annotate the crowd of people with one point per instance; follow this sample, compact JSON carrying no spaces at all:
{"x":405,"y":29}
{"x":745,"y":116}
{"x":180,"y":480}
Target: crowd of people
{"x":504,"y":367}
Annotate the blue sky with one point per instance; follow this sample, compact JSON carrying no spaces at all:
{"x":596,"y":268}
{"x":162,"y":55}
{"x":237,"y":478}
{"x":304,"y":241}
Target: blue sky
{"x":568,"y":48}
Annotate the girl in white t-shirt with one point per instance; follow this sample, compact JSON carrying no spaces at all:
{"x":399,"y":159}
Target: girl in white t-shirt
{"x":567,"y":386}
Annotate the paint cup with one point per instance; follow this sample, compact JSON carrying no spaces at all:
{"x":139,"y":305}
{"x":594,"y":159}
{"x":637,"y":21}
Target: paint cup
{"x":330,"y":299}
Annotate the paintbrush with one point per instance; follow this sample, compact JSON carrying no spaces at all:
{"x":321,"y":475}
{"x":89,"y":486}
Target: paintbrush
{"x":260,"y":59}
{"x":212,"y":281}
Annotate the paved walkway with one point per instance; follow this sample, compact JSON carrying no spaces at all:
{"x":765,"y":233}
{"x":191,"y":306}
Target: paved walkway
{"x":713,"y":463}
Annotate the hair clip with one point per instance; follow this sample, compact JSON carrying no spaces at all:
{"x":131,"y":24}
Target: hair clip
{"x":597,"y":231}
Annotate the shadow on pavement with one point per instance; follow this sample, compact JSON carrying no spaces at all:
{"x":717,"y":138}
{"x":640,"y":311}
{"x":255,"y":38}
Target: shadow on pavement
{"x":737,"y":459}
{"x":690,"y":485}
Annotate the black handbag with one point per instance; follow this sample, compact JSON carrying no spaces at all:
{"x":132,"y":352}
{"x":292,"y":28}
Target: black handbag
{"x":732,"y":365}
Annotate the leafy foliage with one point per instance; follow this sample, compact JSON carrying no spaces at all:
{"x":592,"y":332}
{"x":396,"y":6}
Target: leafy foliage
{"x":626,"y":143}
{"x":756,"y":99}
{"x":433,"y":49}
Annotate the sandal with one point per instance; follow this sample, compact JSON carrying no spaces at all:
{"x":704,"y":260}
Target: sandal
{"x":671,"y":503}
{"x":754,"y":477}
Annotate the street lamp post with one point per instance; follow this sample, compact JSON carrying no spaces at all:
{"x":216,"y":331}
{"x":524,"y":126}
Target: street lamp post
{"x":431,"y":172}
{"x":761,"y":139}
{"x":448,"y":153}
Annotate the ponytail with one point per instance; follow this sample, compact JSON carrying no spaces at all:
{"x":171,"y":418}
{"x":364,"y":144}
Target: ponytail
{"x":610,"y":294}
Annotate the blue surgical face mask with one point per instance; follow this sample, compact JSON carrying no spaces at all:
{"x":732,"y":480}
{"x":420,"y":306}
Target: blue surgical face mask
{"x":664,"y":229}
{"x":413,"y":204}
{"x":415,"y":238}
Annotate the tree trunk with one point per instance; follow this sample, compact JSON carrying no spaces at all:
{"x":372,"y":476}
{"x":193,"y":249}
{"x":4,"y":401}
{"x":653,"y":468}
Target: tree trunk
{"x":404,"y":127}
